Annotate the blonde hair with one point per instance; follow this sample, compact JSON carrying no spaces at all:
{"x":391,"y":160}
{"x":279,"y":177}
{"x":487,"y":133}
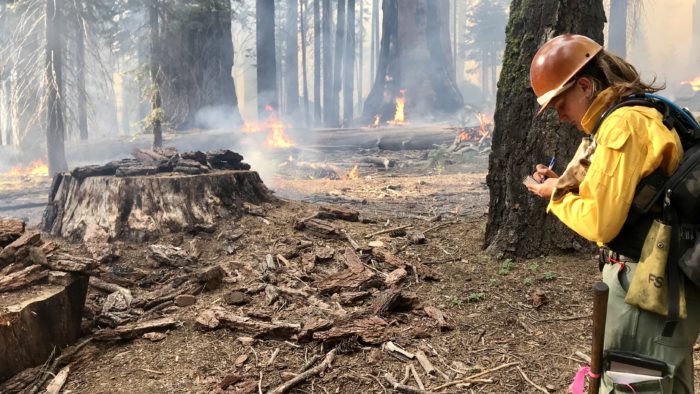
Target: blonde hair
{"x":609,"y":70}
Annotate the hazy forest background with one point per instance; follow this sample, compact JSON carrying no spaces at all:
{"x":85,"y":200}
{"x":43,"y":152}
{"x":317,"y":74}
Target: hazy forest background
{"x":76,"y":72}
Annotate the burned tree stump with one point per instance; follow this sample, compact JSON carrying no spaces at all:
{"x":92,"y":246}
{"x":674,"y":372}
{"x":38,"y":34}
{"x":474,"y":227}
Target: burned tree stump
{"x":35,"y":322}
{"x":138,"y":208}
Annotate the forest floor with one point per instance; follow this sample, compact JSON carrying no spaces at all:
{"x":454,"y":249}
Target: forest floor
{"x":528,"y":317}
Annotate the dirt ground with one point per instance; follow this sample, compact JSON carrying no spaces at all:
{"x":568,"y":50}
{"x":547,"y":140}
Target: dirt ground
{"x":528,"y":317}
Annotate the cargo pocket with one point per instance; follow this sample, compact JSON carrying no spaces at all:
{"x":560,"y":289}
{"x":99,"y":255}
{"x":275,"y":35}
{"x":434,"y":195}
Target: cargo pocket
{"x":662,"y":385}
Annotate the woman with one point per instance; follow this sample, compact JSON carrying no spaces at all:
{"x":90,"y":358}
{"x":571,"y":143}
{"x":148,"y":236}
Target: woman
{"x":580,"y":80}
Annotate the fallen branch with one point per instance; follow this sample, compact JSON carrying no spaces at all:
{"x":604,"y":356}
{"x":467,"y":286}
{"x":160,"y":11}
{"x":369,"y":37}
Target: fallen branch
{"x":111,"y":288}
{"x":540,"y":388}
{"x":565,"y":318}
{"x":471,"y":379}
{"x":57,"y":383}
{"x":388,"y":230}
{"x":416,"y":377}
{"x":403,"y":388}
{"x":303,"y":376}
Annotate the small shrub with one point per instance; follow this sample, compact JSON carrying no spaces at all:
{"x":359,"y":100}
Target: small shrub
{"x":527,"y":281}
{"x":549,"y":275}
{"x":475,"y":297}
{"x":455,"y":301}
{"x":506,"y":266}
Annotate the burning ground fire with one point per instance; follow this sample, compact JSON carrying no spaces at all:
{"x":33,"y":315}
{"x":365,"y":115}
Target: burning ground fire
{"x":476,"y":134}
{"x":354,"y":173}
{"x":399,"y":113}
{"x":694,"y":84}
{"x":16,"y":178}
{"x":277,"y":137}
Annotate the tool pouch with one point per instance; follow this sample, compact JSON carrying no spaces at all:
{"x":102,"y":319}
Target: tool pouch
{"x":648,"y":289}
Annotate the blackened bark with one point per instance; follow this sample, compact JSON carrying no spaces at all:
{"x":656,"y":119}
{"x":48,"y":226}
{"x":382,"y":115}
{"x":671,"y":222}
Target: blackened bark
{"x":55,"y":133}
{"x":349,"y":66}
{"x":156,"y":103}
{"x":617,"y":29}
{"x":304,"y":73}
{"x":292,"y":61}
{"x":80,"y":75}
{"x":266,"y":57}
{"x":196,"y":53}
{"x":415,"y":56}
{"x":317,"y":63}
{"x":517,"y":222}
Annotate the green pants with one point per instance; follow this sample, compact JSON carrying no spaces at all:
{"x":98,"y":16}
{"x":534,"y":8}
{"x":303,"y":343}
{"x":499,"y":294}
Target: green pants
{"x":631,"y":329}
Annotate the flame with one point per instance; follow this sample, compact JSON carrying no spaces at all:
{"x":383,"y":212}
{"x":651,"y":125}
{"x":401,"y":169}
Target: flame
{"x":35,"y":168}
{"x":464,"y":136}
{"x":399,"y":118}
{"x":375,"y":123}
{"x":277,"y":137}
{"x":484,"y":124}
{"x":694,"y":84}
{"x":353,"y":174}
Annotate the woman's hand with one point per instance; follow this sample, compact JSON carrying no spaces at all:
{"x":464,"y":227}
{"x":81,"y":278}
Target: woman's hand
{"x":543,"y":172}
{"x":546,"y":178}
{"x":544,"y":189}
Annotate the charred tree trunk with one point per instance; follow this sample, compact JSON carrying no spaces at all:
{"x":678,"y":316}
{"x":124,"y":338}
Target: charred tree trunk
{"x":361,"y":56}
{"x":156,"y":116}
{"x":9,"y":130}
{"x":266,"y":57}
{"x":349,"y":66}
{"x":334,"y":120}
{"x":3,"y":136}
{"x":617,"y":29}
{"x":415,"y":56}
{"x":517,"y":222}
{"x":54,"y":74}
{"x":292,"y":60}
{"x":317,"y":63}
{"x":80,"y":75}
{"x":304,"y":73}
{"x":326,"y":21}
{"x":196,"y":57}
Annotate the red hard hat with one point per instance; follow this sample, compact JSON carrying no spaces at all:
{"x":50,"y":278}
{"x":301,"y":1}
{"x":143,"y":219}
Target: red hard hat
{"x":556,"y":62}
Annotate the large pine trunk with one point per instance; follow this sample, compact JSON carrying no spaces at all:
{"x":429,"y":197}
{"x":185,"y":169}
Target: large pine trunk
{"x":317,"y":63}
{"x":304,"y":70}
{"x":292,"y":61}
{"x":266,"y":57}
{"x":334,"y":113}
{"x":326,"y":22}
{"x":54,"y":77}
{"x":415,"y":56}
{"x":80,"y":75}
{"x":196,"y":57}
{"x":517,"y":222}
{"x":349,"y":66}
{"x":617,"y":29}
{"x":156,"y":117}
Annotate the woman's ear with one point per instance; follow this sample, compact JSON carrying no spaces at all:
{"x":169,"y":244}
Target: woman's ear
{"x":587,"y":86}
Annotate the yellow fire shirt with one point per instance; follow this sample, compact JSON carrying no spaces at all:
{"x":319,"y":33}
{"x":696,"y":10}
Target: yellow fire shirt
{"x":632,"y":143}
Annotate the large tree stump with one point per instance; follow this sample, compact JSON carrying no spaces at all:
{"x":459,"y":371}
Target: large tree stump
{"x":36,"y":321}
{"x":143,"y":207}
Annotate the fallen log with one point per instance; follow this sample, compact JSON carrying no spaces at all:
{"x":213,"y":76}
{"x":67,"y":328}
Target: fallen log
{"x":214,"y":318}
{"x":320,"y":228}
{"x":10,"y":230}
{"x":134,"y":330}
{"x":335,"y":212}
{"x":68,"y":263}
{"x":23,"y":278}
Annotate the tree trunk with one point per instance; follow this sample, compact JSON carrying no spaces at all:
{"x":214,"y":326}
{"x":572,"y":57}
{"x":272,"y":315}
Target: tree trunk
{"x":317,"y":63}
{"x":374,"y":53}
{"x":617,"y":29}
{"x":196,"y":58}
{"x":11,"y":120}
{"x":415,"y":56}
{"x":54,"y":75}
{"x":326,"y":23}
{"x":517,"y":222}
{"x":156,"y":116}
{"x":292,"y":88}
{"x":334,"y":113}
{"x":349,"y":66}
{"x":266,"y":58}
{"x":305,"y":81}
{"x":361,"y":60}
{"x":80,"y":75}
{"x":3,"y":136}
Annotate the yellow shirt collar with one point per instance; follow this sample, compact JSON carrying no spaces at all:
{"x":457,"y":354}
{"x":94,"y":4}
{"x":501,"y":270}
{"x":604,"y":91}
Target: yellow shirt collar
{"x":601,"y":103}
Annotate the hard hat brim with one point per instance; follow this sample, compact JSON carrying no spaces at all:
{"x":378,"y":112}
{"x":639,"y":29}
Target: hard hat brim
{"x":545,"y":99}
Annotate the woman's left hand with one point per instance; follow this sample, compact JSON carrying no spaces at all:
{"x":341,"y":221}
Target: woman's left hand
{"x":544,"y":189}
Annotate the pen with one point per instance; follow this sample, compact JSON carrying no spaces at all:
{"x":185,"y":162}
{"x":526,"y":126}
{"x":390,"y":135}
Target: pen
{"x":551,"y":164}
